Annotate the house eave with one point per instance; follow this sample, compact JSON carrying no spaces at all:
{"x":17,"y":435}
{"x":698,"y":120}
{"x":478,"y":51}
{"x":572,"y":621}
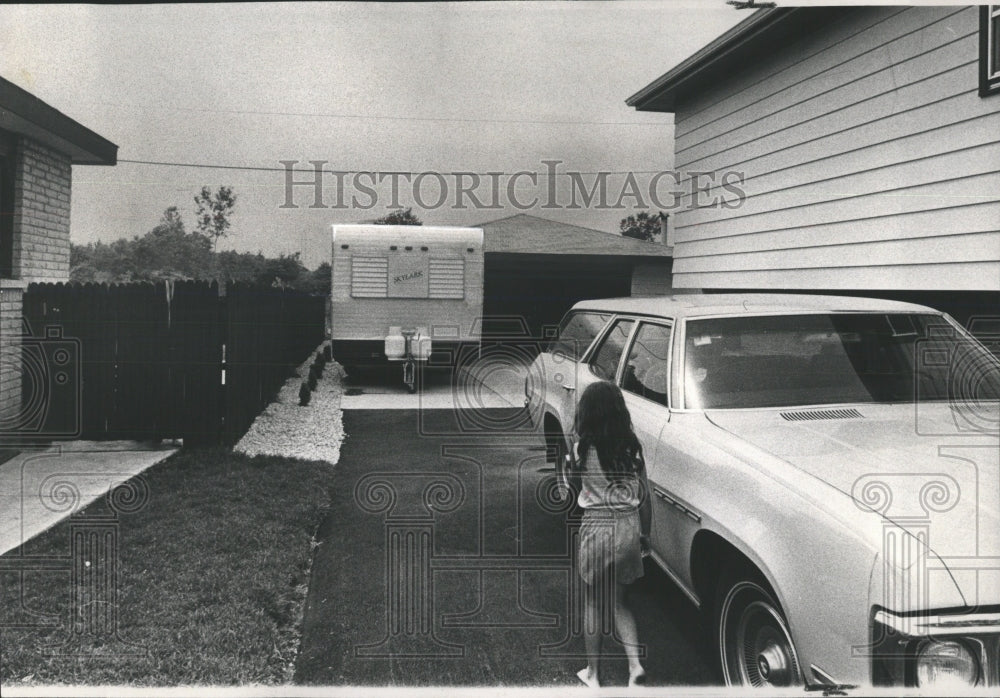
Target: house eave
{"x":24,"y":114}
{"x":741,"y":45}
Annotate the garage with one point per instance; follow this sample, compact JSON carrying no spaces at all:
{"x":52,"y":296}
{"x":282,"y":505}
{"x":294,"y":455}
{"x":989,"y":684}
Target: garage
{"x":536,"y":269}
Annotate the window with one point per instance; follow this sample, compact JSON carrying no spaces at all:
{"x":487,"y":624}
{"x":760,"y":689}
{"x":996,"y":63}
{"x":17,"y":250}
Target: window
{"x":989,"y":49}
{"x":605,"y":361}
{"x":647,"y":369}
{"x":369,"y":277}
{"x":577,"y":332}
{"x":799,"y":360}
{"x":447,"y":279}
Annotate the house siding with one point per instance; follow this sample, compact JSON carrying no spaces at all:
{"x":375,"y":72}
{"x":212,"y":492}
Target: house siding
{"x":870,"y":162}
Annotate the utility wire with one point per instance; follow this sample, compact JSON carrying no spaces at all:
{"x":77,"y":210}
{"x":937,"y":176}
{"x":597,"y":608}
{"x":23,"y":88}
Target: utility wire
{"x":249,"y":168}
{"x":376,"y":117}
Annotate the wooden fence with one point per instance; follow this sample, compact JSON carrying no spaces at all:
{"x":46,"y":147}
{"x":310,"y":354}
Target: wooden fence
{"x":165,"y":360}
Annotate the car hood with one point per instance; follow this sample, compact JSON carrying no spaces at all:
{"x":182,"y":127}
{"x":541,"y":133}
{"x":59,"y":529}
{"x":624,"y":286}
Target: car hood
{"x":931,"y":469}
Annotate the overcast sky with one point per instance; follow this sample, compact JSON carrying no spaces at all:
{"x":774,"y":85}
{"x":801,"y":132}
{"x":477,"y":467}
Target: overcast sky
{"x":488,"y":87}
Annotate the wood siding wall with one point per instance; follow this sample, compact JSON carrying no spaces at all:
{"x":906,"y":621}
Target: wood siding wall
{"x":870,"y":161}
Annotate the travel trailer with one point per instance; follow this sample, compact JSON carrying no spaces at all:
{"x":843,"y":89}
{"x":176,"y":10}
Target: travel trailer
{"x":405,"y":294}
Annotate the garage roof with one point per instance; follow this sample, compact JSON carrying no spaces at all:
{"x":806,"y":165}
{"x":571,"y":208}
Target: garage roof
{"x":524,"y":234}
{"x":24,"y":114}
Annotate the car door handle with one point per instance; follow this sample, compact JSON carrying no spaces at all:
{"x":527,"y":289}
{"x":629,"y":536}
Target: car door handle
{"x":570,"y":388}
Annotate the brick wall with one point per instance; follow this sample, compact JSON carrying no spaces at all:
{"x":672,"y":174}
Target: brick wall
{"x":41,"y":213}
{"x":40,"y":252}
{"x":10,"y":358}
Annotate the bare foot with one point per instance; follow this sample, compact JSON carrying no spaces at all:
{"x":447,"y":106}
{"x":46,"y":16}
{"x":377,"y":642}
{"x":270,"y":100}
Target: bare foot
{"x":637,"y":677}
{"x":588,"y":677}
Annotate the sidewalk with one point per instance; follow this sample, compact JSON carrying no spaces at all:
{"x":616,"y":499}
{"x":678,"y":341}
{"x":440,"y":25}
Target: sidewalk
{"x":39,"y":488}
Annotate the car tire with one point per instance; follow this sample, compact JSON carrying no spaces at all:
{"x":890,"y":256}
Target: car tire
{"x":754,"y":644}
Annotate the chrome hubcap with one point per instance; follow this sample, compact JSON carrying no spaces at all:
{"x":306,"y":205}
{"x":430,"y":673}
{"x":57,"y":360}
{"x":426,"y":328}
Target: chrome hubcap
{"x":756,"y":646}
{"x":772,"y":665}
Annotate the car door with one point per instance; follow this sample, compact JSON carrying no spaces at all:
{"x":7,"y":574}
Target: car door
{"x":676,"y":520}
{"x":645,"y":384}
{"x":601,"y":363}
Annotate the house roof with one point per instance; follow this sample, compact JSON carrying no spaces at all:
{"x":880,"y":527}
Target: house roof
{"x":524,"y":234}
{"x":742,"y":45}
{"x":26,"y":115}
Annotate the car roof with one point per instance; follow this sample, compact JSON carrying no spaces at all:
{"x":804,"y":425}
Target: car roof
{"x":703,"y":304}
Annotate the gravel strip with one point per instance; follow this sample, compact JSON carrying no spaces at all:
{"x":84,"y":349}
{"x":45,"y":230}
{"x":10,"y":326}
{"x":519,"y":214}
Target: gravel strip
{"x":313,"y":432}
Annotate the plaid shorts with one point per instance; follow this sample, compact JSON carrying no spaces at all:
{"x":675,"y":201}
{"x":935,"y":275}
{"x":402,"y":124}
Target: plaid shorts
{"x":609,"y":545}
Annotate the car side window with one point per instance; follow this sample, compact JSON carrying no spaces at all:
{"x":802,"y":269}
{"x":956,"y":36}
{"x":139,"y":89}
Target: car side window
{"x":646,"y":369}
{"x":577,"y":332}
{"x":604,"y":364}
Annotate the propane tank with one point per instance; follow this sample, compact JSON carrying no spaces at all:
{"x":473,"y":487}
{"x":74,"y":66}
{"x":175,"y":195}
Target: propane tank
{"x":420,"y":345}
{"x":395,"y":344}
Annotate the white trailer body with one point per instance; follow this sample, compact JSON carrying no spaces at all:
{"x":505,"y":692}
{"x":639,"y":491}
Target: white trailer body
{"x":393,"y":278}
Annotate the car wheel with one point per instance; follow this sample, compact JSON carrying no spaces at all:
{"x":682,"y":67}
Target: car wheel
{"x":754,"y":644}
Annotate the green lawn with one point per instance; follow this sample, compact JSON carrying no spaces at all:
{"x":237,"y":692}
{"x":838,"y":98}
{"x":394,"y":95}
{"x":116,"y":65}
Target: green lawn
{"x":213,"y":574}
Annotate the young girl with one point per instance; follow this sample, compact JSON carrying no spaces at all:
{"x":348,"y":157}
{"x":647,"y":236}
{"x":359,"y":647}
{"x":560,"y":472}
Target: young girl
{"x":610,"y":475}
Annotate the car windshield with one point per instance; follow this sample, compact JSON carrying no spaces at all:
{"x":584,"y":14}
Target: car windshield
{"x":786,"y":360}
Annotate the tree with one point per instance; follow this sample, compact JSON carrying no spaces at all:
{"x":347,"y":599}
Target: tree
{"x":316,"y":281}
{"x":167,"y":251}
{"x":399,"y":218}
{"x":214,"y":211}
{"x":642,"y":226}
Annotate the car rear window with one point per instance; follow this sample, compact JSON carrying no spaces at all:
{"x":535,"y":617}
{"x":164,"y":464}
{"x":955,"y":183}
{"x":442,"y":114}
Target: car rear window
{"x":577,"y":332}
{"x":819,"y":359}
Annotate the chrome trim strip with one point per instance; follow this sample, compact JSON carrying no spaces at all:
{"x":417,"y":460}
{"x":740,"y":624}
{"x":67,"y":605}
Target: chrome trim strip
{"x":632,"y":337}
{"x":678,"y":367}
{"x":676,"y":503}
{"x":803,"y":311}
{"x":675,"y":579}
{"x":919,"y":626}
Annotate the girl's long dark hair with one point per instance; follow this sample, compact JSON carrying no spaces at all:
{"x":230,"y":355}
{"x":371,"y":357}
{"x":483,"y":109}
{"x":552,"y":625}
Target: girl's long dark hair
{"x":603,"y":421}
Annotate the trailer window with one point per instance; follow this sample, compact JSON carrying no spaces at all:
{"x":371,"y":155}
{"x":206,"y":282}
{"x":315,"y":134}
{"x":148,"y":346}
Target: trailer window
{"x":369,"y":277}
{"x":447,"y":278}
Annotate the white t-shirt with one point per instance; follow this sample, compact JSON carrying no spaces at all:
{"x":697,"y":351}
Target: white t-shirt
{"x":598,"y":492}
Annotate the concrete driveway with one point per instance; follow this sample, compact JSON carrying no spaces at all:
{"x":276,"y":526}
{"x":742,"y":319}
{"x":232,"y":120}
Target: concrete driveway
{"x":495,"y":381}
{"x":445,"y":561}
{"x":41,"y":487}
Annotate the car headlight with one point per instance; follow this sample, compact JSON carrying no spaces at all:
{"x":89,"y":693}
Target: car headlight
{"x":946,"y":664}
